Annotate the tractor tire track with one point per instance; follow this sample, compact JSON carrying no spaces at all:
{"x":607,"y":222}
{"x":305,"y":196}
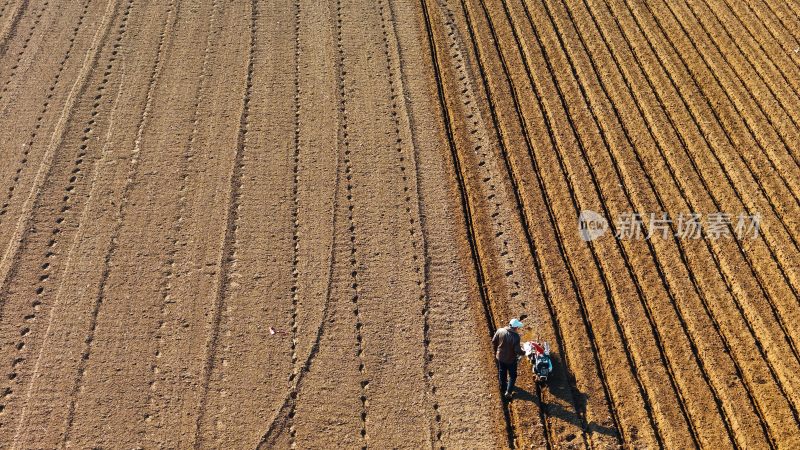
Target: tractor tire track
{"x":10,"y":30}
{"x":5,"y":7}
{"x":466,"y":207}
{"x":240,"y":120}
{"x":354,"y":279}
{"x":56,"y":139}
{"x":321,"y":244}
{"x":163,"y":47}
{"x":394,"y":69}
{"x":45,"y":266}
{"x":27,"y":147}
{"x":7,"y":263}
{"x":155,"y":404}
{"x":46,"y":166}
{"x":19,"y":65}
{"x":287,"y":410}
{"x":13,"y":70}
{"x":228,"y":254}
{"x":295,"y":216}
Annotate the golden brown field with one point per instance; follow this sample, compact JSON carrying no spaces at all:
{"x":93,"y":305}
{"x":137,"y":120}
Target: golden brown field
{"x":296,"y":224}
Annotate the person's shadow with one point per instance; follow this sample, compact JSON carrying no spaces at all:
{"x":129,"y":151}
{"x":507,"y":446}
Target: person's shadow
{"x":559,"y":386}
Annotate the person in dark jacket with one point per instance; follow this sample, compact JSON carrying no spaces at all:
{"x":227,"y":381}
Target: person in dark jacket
{"x":506,"y":343}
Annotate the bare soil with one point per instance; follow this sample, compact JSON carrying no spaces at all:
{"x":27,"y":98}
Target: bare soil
{"x":239,"y":224}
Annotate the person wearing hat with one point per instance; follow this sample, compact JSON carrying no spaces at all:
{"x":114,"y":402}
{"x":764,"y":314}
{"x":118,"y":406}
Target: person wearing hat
{"x":506,"y":344}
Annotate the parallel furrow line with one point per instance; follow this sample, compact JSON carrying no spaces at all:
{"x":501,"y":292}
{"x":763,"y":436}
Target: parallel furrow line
{"x":679,"y":244}
{"x":755,"y":19}
{"x":644,"y":392}
{"x":11,"y":29}
{"x":167,"y":281}
{"x":682,"y":190}
{"x":549,"y":207}
{"x":746,"y":255}
{"x":481,"y":147}
{"x":748,"y":25}
{"x":741,"y":79}
{"x":418,"y":244}
{"x":709,"y":191}
{"x":728,"y":28}
{"x":779,"y":34}
{"x":230,"y":243}
{"x":295,"y":207}
{"x":36,"y":21}
{"x":466,"y":207}
{"x":515,"y":182}
{"x":793,"y":7}
{"x":169,"y":22}
{"x":657,"y":263}
{"x":623,"y":251}
{"x":45,"y":266}
{"x":348,"y":170}
{"x":465,"y":200}
{"x":784,"y":35}
{"x":670,"y":365}
{"x":726,"y":171}
{"x":616,"y":166}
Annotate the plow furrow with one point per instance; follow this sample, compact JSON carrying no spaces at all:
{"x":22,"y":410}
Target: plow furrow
{"x":298,"y":224}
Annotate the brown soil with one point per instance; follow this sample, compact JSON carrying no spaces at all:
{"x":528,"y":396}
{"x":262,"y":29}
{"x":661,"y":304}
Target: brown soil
{"x":238,"y":224}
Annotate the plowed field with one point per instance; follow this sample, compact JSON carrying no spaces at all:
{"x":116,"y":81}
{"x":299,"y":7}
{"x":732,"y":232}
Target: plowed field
{"x":296,"y":224}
